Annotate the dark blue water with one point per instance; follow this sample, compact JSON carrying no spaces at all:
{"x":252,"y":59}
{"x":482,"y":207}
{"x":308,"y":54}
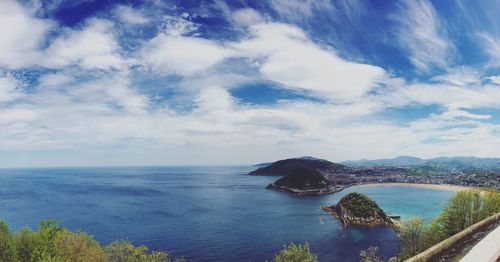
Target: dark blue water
{"x":201,"y":213}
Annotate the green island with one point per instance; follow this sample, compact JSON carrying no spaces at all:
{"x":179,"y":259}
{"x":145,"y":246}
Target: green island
{"x":358,"y":209}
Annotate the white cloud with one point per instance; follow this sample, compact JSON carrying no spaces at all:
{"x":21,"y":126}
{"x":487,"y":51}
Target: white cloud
{"x":55,"y":79}
{"x":131,"y":16}
{"x":494,"y":79}
{"x":288,"y":57}
{"x":20,"y":35}
{"x":93,"y":47}
{"x":298,"y":10}
{"x":492,"y":47}
{"x":421,"y":33}
{"x":247,"y":16}
{"x":9,"y":89}
{"x":182,"y":55}
{"x":8,"y":116}
{"x":445,"y":95}
{"x":460,"y":76}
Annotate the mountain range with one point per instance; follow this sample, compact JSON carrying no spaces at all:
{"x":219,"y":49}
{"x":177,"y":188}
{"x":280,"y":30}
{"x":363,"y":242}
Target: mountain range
{"x":408,"y":161}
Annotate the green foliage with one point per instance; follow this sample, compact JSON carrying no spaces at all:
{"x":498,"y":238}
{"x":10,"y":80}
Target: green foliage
{"x":7,"y":249}
{"x":45,"y":248}
{"x":370,"y":255}
{"x":466,"y":208}
{"x":360,"y":205}
{"x":124,"y":251}
{"x":52,"y":243}
{"x":463,"y":210}
{"x":78,"y":247}
{"x":24,"y":241}
{"x":411,"y":235}
{"x":295,"y":253}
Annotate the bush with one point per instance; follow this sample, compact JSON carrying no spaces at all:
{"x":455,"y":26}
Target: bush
{"x":78,"y":247}
{"x":25,"y":242}
{"x":411,"y":235}
{"x":51,"y":243}
{"x":124,"y":251}
{"x":7,"y":249}
{"x":295,"y":253}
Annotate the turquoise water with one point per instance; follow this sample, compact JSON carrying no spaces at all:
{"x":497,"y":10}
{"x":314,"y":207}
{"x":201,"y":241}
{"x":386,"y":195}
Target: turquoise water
{"x":201,"y":213}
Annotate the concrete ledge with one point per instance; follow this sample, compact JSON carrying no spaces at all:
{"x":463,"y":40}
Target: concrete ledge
{"x":432,"y":252}
{"x":487,"y":250}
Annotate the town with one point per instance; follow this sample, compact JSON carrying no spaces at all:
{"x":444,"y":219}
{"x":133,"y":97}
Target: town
{"x":471,"y":178}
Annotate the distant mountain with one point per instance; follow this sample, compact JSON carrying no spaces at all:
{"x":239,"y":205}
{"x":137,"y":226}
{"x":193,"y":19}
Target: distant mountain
{"x":288,"y":166}
{"x":445,"y":162}
{"x":398,"y":161}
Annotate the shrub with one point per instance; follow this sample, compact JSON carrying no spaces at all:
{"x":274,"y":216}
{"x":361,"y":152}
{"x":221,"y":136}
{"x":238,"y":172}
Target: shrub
{"x":25,"y":242}
{"x":78,"y":247}
{"x":124,"y":251}
{"x":7,"y":249}
{"x":295,"y":253}
{"x":411,"y":235}
{"x":45,"y":249}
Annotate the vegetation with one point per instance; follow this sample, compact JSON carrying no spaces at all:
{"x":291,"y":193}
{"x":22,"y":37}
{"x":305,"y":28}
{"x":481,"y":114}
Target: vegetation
{"x":52,"y":243}
{"x":360,"y":205}
{"x":295,"y":253}
{"x":303,"y":178}
{"x":463,"y":210}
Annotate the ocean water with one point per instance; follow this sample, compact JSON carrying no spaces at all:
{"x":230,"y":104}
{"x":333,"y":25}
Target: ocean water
{"x":201,"y":213}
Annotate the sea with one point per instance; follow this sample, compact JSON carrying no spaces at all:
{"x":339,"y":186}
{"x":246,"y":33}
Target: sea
{"x":202,"y":213}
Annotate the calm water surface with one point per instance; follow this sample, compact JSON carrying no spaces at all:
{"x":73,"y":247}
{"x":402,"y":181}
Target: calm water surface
{"x":201,"y":213}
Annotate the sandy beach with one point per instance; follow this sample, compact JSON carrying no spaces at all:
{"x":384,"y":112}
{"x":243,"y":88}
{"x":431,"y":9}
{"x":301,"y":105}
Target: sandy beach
{"x":440,"y":186}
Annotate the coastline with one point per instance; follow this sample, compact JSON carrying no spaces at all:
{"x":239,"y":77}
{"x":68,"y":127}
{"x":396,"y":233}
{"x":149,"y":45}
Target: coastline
{"x":434,"y":186}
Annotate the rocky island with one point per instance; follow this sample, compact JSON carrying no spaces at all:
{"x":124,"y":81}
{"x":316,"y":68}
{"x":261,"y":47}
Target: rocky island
{"x":305,"y":181}
{"x":358,"y":209}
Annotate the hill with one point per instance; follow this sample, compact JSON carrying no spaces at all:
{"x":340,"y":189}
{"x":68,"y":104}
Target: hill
{"x":288,"y":166}
{"x":304,"y":181}
{"x":358,"y":209}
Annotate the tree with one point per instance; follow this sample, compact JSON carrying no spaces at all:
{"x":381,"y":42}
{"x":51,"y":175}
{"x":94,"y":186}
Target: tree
{"x":295,"y":253}
{"x":45,"y":249}
{"x":463,"y":210}
{"x":491,"y":203}
{"x":78,"y":247}
{"x":124,"y":251}
{"x":24,"y":242}
{"x":411,"y":236}
{"x":7,"y":249}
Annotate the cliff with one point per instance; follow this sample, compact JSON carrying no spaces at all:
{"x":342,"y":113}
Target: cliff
{"x":358,"y":209}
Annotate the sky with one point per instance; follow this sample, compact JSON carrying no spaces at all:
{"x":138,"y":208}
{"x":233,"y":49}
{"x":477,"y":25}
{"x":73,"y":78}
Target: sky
{"x":101,"y":82}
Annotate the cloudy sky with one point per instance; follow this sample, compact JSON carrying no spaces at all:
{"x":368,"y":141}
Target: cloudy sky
{"x":99,"y":82}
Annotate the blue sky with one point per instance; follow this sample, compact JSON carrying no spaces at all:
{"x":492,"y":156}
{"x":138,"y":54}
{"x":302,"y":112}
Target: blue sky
{"x":104,"y":82}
